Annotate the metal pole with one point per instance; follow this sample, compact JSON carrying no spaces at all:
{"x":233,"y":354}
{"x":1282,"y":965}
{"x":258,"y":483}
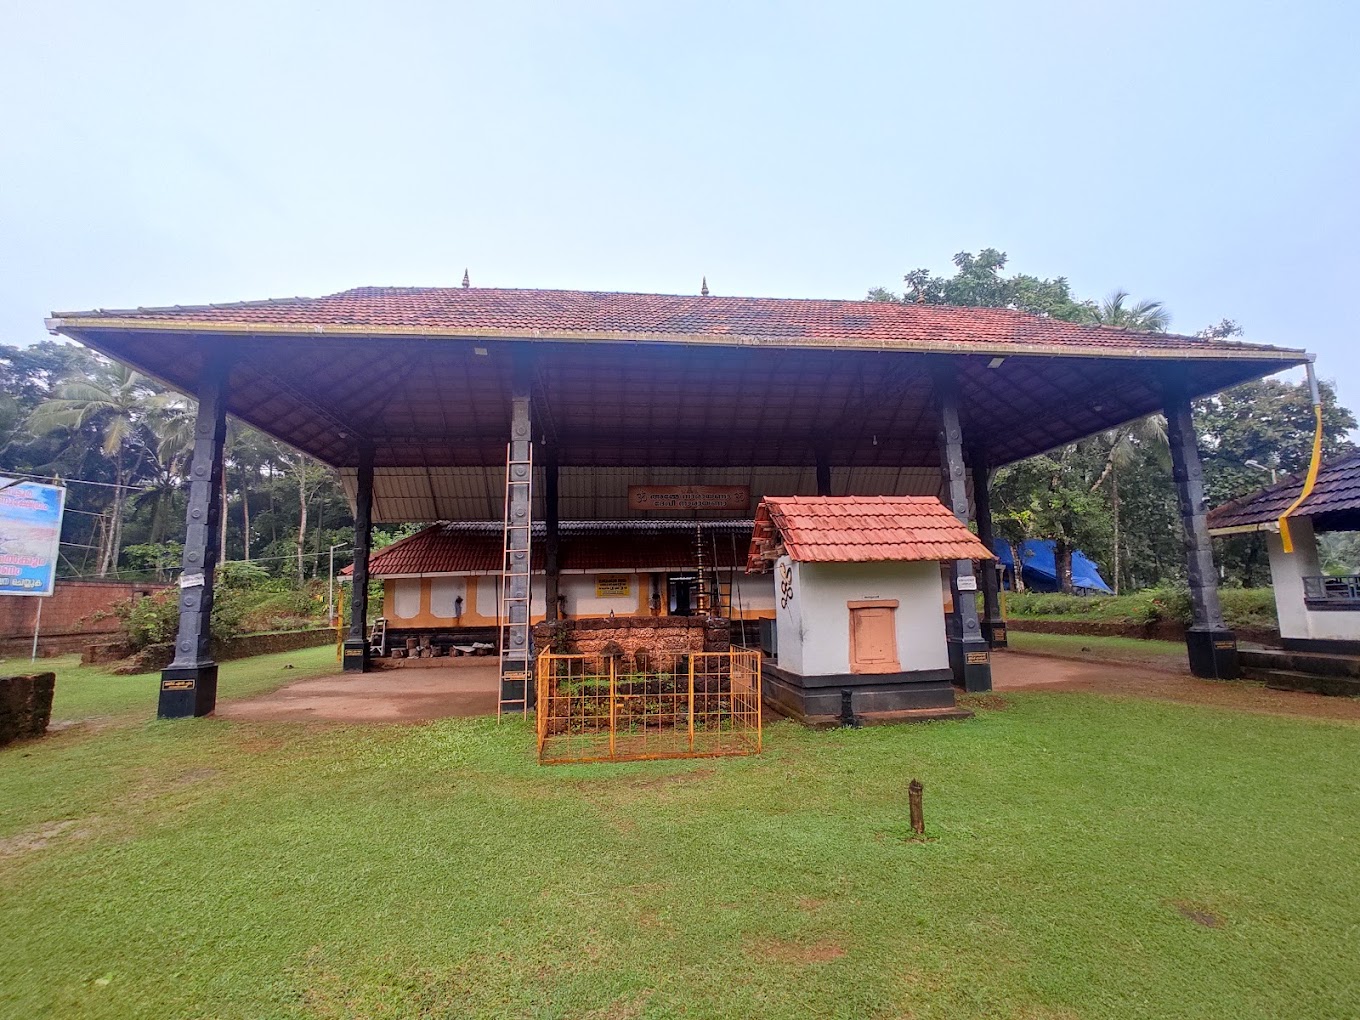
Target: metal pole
{"x":691,"y":702}
{"x":613,"y":702}
{"x":330,"y":591}
{"x":37,"y":626}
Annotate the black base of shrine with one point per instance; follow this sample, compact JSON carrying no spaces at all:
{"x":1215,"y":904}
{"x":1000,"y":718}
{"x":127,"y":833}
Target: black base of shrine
{"x":1327,"y":646}
{"x":1213,"y":654}
{"x":187,"y":691}
{"x":355,"y":658}
{"x":970,"y":660}
{"x":994,"y":632}
{"x":819,"y":700}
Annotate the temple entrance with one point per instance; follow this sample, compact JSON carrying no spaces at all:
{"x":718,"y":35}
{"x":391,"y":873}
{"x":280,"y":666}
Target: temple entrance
{"x":682,"y":590}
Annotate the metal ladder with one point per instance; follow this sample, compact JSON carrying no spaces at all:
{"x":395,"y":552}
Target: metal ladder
{"x":516,"y":585}
{"x":377,"y":637}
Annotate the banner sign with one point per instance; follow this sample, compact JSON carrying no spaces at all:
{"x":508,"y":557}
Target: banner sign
{"x":30,"y":531}
{"x":689,"y":497}
{"x":613,"y":586}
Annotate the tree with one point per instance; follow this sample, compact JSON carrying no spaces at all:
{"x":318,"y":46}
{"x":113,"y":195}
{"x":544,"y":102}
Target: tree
{"x":1148,"y":316}
{"x":978,"y":282}
{"x":1053,"y":496}
{"x":113,"y":401}
{"x":1123,"y":446}
{"x":1256,"y":429}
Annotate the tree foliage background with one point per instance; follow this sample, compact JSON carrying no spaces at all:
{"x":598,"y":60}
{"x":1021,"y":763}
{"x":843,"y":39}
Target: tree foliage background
{"x":1111,"y":495}
{"x":121,"y":442}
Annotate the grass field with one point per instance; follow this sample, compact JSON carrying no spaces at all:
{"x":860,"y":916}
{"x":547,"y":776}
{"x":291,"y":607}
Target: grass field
{"x":1086,"y":857}
{"x":1166,"y":654}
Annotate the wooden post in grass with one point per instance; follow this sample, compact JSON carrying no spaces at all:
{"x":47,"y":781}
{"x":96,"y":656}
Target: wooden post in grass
{"x":918,"y":822}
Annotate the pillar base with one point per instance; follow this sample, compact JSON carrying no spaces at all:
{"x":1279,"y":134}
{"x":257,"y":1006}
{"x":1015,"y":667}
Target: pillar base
{"x":1213,"y":653}
{"x":994,"y":632}
{"x":355,"y":657}
{"x":517,"y":682}
{"x":970,"y":660}
{"x":187,"y":691}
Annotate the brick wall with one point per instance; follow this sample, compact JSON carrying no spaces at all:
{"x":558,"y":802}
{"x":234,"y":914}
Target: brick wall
{"x":70,"y":609}
{"x":662,"y":638}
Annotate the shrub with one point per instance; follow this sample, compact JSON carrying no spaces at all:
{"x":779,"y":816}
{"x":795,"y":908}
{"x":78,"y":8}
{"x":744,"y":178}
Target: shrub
{"x":154,"y":619}
{"x":1249,"y":607}
{"x":1242,"y":607}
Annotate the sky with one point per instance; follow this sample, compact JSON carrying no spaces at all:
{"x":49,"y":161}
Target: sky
{"x":1200,"y":154}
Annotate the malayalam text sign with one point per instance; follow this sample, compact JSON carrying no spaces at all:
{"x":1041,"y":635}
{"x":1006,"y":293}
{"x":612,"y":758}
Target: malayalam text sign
{"x":30,"y":532}
{"x":613,"y":586}
{"x":689,"y":497}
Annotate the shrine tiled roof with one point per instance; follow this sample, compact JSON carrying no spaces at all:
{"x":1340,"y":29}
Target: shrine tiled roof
{"x":457,"y":548}
{"x":1337,"y":490}
{"x":858,"y":529}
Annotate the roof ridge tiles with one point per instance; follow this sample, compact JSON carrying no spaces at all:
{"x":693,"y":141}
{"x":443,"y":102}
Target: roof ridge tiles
{"x":528,"y":311}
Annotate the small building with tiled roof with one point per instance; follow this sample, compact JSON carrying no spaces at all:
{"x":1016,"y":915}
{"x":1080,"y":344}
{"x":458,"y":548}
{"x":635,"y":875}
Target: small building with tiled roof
{"x":444,"y":580}
{"x":1316,"y":612}
{"x":860,"y":602}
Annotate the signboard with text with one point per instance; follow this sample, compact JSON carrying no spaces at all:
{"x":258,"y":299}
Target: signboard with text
{"x":613,"y":586}
{"x":30,"y":533}
{"x":689,"y":497}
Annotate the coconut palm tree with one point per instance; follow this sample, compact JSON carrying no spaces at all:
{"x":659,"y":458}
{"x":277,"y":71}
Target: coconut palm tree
{"x":115,"y":400}
{"x":1123,"y":446}
{"x":1149,"y":316}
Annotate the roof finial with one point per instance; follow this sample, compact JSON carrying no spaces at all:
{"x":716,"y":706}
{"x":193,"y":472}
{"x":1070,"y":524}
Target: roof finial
{"x":466,"y":282}
{"x":704,"y":289}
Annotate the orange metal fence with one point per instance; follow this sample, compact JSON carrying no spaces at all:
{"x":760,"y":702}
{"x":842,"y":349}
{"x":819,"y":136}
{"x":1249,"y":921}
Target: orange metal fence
{"x":606,"y":708}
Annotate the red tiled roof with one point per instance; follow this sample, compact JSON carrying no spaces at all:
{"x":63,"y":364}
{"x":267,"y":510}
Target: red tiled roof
{"x":574,"y":314}
{"x":858,"y":529}
{"x":454,"y":548}
{"x":1337,"y":491}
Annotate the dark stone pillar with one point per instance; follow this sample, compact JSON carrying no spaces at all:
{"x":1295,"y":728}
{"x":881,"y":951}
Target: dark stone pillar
{"x":550,"y":522}
{"x":823,"y":474}
{"x":356,"y":658}
{"x":993,"y":625}
{"x":969,"y":655}
{"x":1211,"y":646}
{"x":189,"y":683}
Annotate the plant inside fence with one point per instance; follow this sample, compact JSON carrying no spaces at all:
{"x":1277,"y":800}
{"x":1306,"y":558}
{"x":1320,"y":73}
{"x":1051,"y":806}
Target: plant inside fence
{"x":629,"y":708}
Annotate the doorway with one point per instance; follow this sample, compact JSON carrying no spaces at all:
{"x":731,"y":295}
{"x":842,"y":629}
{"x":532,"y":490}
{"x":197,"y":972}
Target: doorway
{"x":873,"y":637}
{"x":681,"y":590}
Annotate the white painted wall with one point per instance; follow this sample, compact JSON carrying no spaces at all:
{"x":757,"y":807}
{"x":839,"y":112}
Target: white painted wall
{"x":814,"y":626}
{"x":406,"y":598}
{"x":444,"y":595}
{"x":489,"y":592}
{"x":582,"y":601}
{"x":1287,"y":571}
{"x":788,"y":615}
{"x":752,"y":592}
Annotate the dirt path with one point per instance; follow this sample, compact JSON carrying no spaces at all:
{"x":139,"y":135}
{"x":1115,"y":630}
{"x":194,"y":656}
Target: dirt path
{"x":1028,"y":671}
{"x":409,"y":695}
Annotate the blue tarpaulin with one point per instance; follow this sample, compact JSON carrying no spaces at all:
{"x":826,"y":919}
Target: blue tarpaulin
{"x":1038,"y":557}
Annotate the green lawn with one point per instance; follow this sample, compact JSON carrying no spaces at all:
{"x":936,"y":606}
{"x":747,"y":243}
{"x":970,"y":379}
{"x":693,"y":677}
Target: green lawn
{"x":1090,"y":646}
{"x":1087,"y":857}
{"x":86,"y":693}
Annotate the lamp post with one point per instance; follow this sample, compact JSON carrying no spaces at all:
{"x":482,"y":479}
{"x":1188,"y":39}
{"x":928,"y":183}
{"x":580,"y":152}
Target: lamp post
{"x":330,"y":585}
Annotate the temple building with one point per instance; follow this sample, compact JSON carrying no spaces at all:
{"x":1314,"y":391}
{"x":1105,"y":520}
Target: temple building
{"x":529,"y":408}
